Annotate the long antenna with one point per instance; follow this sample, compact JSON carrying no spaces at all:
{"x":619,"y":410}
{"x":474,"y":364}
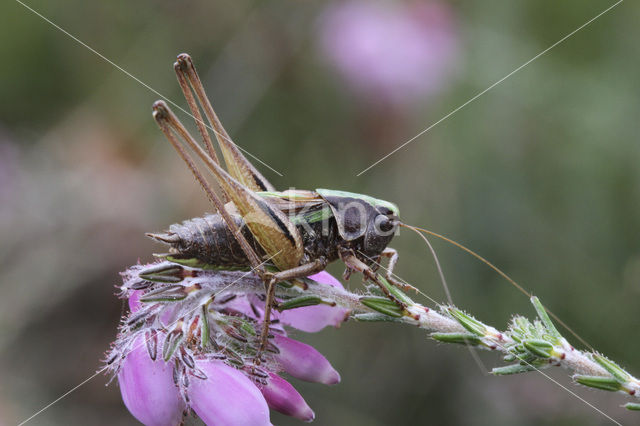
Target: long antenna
{"x":503,"y":274}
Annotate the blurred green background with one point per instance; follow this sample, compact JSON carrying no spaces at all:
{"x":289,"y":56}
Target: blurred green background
{"x":540,"y":175}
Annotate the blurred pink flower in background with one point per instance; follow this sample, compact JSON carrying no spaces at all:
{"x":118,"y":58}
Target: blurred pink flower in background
{"x":387,"y":52}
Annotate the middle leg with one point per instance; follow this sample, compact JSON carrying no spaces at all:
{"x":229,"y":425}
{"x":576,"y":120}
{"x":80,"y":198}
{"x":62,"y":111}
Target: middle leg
{"x":290,"y":274}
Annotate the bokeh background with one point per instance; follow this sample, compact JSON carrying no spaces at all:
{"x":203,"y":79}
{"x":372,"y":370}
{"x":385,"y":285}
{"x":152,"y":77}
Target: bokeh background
{"x":540,"y":175}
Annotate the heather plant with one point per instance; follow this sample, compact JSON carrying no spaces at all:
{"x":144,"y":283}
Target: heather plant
{"x":190,"y":344}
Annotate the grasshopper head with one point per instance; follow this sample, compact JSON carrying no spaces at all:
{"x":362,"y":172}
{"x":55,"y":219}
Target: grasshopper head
{"x":385,"y":223}
{"x":363,"y":216}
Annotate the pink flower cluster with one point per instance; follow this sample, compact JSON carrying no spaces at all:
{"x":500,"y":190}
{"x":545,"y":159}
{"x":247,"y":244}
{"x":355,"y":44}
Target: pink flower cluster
{"x":221,"y":394}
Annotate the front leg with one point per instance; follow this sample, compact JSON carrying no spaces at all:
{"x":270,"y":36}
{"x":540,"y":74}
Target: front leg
{"x":392,"y":254}
{"x":353,"y":263}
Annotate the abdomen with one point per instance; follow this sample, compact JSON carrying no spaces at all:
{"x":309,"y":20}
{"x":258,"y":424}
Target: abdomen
{"x":209,"y":240}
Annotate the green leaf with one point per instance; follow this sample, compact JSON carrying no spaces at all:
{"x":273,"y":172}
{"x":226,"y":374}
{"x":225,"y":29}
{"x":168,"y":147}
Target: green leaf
{"x":614,"y":369}
{"x":598,"y":382}
{"x":512,"y":369}
{"x":299,"y":302}
{"x":544,"y":317}
{"x":290,"y":284}
{"x":373,"y":317}
{"x":165,"y":294}
{"x":459,"y":338}
{"x":468,"y":322}
{"x":539,"y":348}
{"x":205,"y":326}
{"x":164,"y":273}
{"x":521,"y":323}
{"x":382,"y":305}
{"x":246,"y":328}
{"x":137,"y":319}
{"x":198,"y":264}
{"x":395,"y":291}
{"x":171,"y":343}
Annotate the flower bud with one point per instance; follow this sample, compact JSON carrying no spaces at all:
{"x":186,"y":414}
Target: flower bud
{"x":304,"y":362}
{"x":283,"y":397}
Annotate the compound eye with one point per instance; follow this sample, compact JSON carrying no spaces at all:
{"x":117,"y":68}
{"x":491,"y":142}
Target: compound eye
{"x":384,"y":224}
